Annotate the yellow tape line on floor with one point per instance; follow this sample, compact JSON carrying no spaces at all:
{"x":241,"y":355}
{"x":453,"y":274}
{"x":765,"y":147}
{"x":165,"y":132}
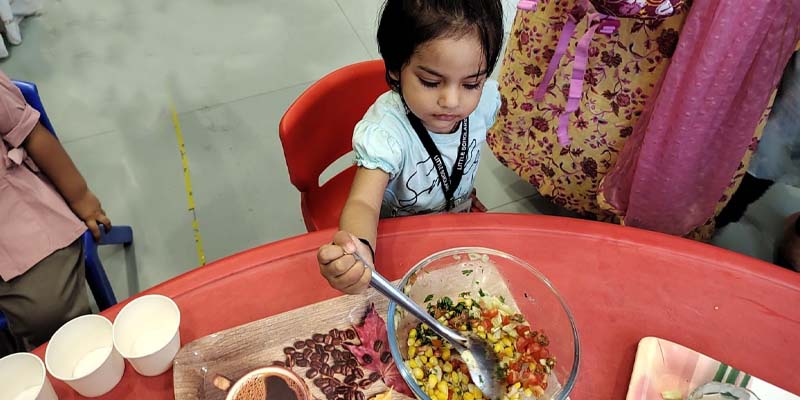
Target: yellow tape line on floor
{"x":187,"y":178}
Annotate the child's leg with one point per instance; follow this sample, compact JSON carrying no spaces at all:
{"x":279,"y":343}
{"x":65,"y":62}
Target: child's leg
{"x":51,"y":293}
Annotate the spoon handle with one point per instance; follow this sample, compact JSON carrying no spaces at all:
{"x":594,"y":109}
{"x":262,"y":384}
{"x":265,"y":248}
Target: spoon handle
{"x":385,"y":287}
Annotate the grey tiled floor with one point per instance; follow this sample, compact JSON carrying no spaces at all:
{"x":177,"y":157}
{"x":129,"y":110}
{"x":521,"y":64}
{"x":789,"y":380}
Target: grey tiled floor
{"x":110,"y":70}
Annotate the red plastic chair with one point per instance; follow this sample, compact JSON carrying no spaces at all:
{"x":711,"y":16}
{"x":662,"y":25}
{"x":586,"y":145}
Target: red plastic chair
{"x":317,"y":130}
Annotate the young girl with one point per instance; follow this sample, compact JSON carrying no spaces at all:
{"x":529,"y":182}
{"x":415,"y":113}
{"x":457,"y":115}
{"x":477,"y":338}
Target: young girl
{"x":418,"y":146}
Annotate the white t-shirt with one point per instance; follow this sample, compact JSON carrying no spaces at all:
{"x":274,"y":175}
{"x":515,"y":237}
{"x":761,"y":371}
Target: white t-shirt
{"x":384,"y":139}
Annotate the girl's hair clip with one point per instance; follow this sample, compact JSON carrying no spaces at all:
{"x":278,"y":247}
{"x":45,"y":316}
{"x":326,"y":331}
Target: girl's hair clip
{"x":529,"y":5}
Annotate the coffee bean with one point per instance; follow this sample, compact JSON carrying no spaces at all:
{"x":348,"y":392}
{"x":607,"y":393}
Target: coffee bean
{"x":328,"y":339}
{"x":318,"y":337}
{"x":279,"y":364}
{"x":359,"y":373}
{"x":374,"y":377}
{"x":302,"y":362}
{"x":342,"y":389}
{"x":312,"y":372}
{"x":337,"y":342}
{"x":321,"y":382}
{"x":325,"y":370}
{"x":289,"y":350}
{"x":335,"y":333}
{"x":364,"y":383}
{"x":367,"y":359}
{"x":310,"y":343}
{"x":316,"y":364}
{"x":314,"y":357}
{"x":352,"y":363}
{"x":377,"y":345}
{"x":299,"y":344}
{"x":328,"y":347}
{"x":325,"y":357}
{"x":331,"y":396}
{"x":350,"y":379}
{"x":360,"y":395}
{"x":298,"y":356}
{"x":350,"y":396}
{"x":289,"y":361}
{"x":307,"y":352}
{"x":351,"y":334}
{"x":336,"y":369}
{"x":319,"y":349}
{"x":328,"y":390}
{"x":385,"y":357}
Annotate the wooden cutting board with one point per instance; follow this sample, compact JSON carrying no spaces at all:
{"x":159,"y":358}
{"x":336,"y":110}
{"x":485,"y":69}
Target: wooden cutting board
{"x":234,"y":352}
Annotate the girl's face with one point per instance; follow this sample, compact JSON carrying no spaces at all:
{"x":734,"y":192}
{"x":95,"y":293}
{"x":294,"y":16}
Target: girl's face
{"x":443,"y":81}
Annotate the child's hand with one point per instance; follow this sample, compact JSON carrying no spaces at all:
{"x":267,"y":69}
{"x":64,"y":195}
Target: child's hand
{"x":88,"y":209}
{"x":340,"y":268}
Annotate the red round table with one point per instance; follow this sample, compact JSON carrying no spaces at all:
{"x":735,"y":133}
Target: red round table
{"x":622,"y":284}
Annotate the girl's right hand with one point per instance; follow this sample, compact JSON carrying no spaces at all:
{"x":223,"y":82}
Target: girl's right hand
{"x":340,"y":268}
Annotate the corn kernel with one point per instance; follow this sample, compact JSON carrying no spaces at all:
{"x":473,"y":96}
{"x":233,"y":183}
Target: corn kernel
{"x":509,"y":351}
{"x":423,"y":359}
{"x":506,"y":342}
{"x":455,"y":378}
{"x":498,"y":347}
{"x":469,"y":302}
{"x":481,"y":328}
{"x":429,"y":352}
{"x":412,"y":351}
{"x":468,"y":396}
{"x":528,"y":393}
{"x":482,"y":335}
{"x":446,"y":354}
{"x":413,"y":333}
{"x":432,"y":381}
{"x":418,"y":373}
{"x":433,"y":361}
{"x":442,"y":386}
{"x":517,"y":385}
{"x":441,"y":396}
{"x":410,"y":341}
{"x":447,"y":367}
{"x":412,"y":364}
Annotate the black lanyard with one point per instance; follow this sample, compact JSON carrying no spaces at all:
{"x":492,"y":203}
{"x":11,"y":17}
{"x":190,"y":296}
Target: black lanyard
{"x":449,"y":183}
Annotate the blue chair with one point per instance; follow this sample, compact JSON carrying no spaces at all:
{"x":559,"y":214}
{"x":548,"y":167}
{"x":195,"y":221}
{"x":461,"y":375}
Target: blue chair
{"x":95,"y":274}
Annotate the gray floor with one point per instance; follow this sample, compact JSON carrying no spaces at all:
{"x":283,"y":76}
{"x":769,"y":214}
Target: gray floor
{"x":109,"y":72}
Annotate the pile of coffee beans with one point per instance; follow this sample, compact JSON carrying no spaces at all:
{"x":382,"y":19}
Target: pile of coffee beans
{"x":333,"y":368}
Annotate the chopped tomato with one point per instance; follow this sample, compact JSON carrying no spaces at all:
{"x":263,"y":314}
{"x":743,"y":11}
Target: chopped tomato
{"x":521,"y":344}
{"x":490,"y":313}
{"x":487,"y":324}
{"x":505,"y":320}
{"x":522,"y":330}
{"x":436,"y":342}
{"x":543,"y":353}
{"x":512,"y":377}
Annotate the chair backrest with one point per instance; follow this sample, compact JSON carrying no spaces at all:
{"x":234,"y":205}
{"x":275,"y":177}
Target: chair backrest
{"x":317,"y":129}
{"x":31,"y":95}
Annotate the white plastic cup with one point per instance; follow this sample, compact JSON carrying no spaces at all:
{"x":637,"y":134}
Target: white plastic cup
{"x":147,"y":334}
{"x":23,"y":377}
{"x":81,"y":354}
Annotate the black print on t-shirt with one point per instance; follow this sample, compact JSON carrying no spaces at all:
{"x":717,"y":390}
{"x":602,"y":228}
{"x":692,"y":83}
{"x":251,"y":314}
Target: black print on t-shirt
{"x":418,"y":186}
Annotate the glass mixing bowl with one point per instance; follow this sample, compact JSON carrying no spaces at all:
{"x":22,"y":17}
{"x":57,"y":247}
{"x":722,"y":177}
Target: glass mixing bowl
{"x":481,"y":270}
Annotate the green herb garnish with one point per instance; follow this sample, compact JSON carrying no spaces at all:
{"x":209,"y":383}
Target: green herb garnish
{"x":428,"y":298}
{"x":480,"y":292}
{"x":466,"y":272}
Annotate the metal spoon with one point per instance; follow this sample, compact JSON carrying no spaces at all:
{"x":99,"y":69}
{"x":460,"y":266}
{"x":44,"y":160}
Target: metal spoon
{"x":476,"y":352}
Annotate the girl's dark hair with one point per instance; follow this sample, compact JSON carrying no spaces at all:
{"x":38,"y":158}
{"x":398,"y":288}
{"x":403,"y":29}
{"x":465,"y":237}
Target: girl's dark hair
{"x":407,"y":24}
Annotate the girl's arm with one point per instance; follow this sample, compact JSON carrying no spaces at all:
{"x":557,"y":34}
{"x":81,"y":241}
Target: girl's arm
{"x":359,"y":220}
{"x":363,"y":207}
{"x":53,"y":161}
